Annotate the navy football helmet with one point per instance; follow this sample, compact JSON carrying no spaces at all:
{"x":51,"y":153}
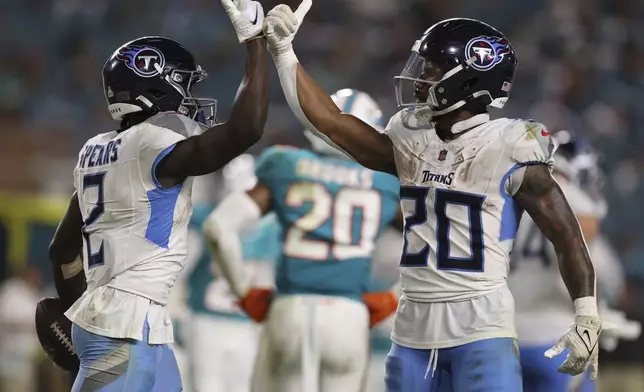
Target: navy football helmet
{"x":457,"y":61}
{"x":155,"y":74}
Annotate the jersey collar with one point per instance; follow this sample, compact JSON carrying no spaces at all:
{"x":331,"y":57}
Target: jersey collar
{"x":470,"y":123}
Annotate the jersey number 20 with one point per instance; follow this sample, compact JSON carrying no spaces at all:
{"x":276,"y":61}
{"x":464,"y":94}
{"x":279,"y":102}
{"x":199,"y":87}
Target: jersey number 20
{"x":472,"y":202}
{"x":94,"y":180}
{"x":339,"y":211}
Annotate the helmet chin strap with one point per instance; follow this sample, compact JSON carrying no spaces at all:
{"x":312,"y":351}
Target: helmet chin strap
{"x":470,"y":123}
{"x":424,"y":114}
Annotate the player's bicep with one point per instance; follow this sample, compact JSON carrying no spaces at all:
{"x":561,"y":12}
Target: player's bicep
{"x":542,"y":198}
{"x":366,"y":145}
{"x":67,"y":242}
{"x":205,"y":153}
{"x":64,"y":253}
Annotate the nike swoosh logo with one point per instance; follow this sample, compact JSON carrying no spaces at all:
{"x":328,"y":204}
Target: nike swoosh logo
{"x":257,"y":15}
{"x":545,"y":133}
{"x":588,"y":341}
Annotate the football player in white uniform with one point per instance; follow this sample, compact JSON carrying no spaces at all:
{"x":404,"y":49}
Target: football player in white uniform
{"x":130,"y":212}
{"x":542,"y":308}
{"x":463,"y":180}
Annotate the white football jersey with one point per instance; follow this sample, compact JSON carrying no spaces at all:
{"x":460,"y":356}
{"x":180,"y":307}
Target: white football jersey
{"x":457,"y":200}
{"x":135,"y":233}
{"x":461,"y":221}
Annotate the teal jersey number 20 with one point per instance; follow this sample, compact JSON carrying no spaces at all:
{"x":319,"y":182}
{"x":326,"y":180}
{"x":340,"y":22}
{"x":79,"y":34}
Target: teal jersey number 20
{"x":332,"y":211}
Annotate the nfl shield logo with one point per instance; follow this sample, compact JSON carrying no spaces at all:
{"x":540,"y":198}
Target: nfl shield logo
{"x":442,"y":155}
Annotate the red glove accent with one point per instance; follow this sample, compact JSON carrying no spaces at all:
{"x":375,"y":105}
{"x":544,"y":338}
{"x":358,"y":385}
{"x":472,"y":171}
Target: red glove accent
{"x":256,"y":303}
{"x":381,"y":305}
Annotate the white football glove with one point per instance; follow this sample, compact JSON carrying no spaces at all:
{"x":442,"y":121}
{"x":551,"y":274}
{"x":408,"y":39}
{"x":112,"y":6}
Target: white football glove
{"x":581,"y":339}
{"x":281,"y":25}
{"x":247,"y":17}
{"x":627,"y":329}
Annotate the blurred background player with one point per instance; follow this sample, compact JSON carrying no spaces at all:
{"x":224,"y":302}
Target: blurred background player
{"x":541,"y":300}
{"x":384,"y":276}
{"x":220,"y":340}
{"x":130,"y":212}
{"x":332,"y":210}
{"x":18,"y":342}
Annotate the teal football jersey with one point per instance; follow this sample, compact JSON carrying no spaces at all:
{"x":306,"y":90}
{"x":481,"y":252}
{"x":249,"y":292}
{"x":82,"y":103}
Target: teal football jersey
{"x":331,"y":211}
{"x":209,"y":293}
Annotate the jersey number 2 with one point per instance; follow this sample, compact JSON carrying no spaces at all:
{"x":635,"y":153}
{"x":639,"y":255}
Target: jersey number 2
{"x":341,"y":211}
{"x":94,"y":180}
{"x":473,"y":203}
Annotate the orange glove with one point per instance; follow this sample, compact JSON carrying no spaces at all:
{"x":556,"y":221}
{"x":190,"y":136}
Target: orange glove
{"x":256,"y":303}
{"x":381,"y":305}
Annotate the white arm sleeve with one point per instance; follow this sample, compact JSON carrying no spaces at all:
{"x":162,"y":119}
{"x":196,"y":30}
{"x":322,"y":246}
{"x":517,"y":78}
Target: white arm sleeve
{"x":286,"y":65}
{"x":222,"y":229}
{"x":529,"y":143}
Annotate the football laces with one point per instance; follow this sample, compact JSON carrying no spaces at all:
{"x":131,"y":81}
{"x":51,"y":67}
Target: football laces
{"x":62,"y":337}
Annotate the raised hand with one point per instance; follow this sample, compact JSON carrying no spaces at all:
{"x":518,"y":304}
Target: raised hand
{"x":247,"y":17}
{"x":282,"y":24}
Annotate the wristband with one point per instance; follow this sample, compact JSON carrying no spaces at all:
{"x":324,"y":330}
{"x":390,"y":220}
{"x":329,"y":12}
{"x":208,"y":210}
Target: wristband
{"x":586,"y":306}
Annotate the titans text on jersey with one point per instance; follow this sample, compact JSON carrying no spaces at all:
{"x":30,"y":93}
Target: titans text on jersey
{"x":98,"y":155}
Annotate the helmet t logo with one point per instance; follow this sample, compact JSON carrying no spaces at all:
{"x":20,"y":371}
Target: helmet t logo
{"x":483,"y":53}
{"x":147,"y":60}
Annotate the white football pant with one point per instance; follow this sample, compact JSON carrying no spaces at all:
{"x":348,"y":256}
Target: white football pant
{"x":376,"y":373}
{"x":313,"y":343}
{"x":221,"y":353}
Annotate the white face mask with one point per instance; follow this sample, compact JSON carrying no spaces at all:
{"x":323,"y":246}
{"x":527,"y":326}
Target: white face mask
{"x":202,"y":110}
{"x":408,"y":78}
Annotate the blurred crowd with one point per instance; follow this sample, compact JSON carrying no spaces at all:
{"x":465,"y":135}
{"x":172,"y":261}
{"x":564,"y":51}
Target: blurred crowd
{"x":581,"y":67}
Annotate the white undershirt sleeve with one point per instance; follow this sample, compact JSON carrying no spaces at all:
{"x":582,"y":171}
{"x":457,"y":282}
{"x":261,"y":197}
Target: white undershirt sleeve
{"x":286,"y":64}
{"x":223,"y":228}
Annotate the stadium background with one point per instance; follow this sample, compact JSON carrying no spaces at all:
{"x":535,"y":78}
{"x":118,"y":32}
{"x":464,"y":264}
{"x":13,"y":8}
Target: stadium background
{"x":581,"y":68}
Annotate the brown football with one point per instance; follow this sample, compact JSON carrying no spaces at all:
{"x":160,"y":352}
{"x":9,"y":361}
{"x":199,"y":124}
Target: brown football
{"x":55,"y":333}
